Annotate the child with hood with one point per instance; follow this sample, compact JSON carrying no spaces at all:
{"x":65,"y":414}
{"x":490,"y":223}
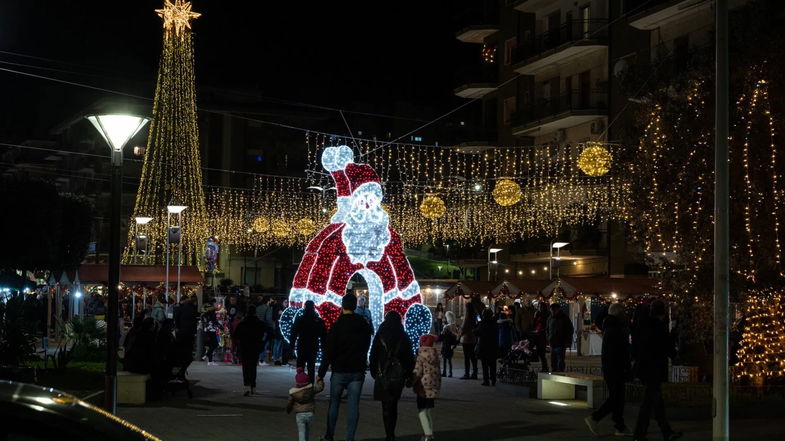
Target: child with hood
{"x":301,"y":401}
{"x":449,"y":339}
{"x":426,"y":369}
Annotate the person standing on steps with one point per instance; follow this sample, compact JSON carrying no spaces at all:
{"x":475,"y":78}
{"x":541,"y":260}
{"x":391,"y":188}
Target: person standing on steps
{"x":308,"y":334}
{"x":656,"y":346}
{"x":468,"y":342}
{"x":560,"y":331}
{"x":392,"y":361}
{"x":615,"y":370}
{"x":249,"y":337}
{"x":346,"y":353}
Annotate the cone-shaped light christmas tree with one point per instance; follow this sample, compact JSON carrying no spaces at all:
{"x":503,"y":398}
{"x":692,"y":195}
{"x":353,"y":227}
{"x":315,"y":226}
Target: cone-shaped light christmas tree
{"x":172,"y":169}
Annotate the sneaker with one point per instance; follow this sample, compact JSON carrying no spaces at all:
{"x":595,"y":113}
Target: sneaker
{"x":450,"y":376}
{"x":277,"y":363}
{"x":592,"y":425}
{"x":264,"y":363}
{"x":466,"y":377}
{"x":623,"y":432}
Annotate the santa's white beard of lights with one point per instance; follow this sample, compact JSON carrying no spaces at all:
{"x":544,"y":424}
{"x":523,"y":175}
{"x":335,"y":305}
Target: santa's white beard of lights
{"x":366,"y":232}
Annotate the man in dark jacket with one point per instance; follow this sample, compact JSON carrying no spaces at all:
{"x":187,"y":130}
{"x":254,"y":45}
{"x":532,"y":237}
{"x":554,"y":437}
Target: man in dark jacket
{"x":185,"y":319}
{"x":652,"y":369}
{"x":560,"y":331}
{"x":308,"y":333}
{"x":615,"y":367}
{"x":249,"y":338}
{"x":346,"y":352}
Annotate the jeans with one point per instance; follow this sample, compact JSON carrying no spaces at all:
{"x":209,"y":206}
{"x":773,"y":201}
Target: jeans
{"x":652,"y":400}
{"x":249,"y":369}
{"x":489,"y":370}
{"x":211,"y":341}
{"x":352,"y":382}
{"x":557,"y":358}
{"x":469,"y":357}
{"x":614,"y":404}
{"x":303,"y":424}
{"x":277,"y":346}
{"x":447,"y":361}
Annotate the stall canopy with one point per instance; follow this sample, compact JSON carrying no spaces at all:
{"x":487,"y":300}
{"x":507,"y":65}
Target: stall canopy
{"x":519,"y":288}
{"x":574,"y":286}
{"x":130,"y":274}
{"x":470,"y":288}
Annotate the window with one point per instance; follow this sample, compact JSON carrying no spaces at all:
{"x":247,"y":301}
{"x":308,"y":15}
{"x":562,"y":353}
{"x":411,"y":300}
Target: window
{"x":509,"y":50}
{"x":510,"y":106}
{"x":585,"y":17}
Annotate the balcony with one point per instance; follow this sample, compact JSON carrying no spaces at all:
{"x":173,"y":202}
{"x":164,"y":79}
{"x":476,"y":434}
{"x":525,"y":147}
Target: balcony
{"x":648,"y":16}
{"x":476,"y":82}
{"x":470,"y":13}
{"x":531,"y":6}
{"x":567,"y":110}
{"x":575,"y":38}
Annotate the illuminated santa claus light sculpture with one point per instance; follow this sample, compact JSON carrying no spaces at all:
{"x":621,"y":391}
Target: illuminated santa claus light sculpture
{"x":358,"y":240}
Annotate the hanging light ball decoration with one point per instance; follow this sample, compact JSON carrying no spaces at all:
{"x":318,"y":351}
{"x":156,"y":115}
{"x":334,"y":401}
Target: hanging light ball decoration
{"x":595,"y":160}
{"x":280,"y":228}
{"x":261,"y":224}
{"x":305,"y":226}
{"x":507,"y":193}
{"x":432,"y":207}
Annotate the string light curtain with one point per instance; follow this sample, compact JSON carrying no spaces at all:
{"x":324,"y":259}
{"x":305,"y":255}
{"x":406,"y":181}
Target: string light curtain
{"x":172,"y":166}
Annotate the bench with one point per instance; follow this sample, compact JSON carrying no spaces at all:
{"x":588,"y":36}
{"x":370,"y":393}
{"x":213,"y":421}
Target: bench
{"x":561,"y":386}
{"x":131,"y":388}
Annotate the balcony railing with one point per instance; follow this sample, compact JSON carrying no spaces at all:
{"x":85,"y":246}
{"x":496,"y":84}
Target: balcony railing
{"x":574,"y":101}
{"x":572,"y":31}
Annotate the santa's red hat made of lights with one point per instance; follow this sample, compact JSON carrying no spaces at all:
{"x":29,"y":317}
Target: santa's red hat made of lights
{"x":358,"y":240}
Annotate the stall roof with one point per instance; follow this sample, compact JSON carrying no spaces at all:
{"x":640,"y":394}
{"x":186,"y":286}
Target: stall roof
{"x":517,"y":288}
{"x":602,"y":286}
{"x":470,"y":287}
{"x":99,"y":273}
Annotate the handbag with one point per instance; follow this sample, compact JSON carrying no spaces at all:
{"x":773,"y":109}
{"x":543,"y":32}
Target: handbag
{"x":413,"y":380}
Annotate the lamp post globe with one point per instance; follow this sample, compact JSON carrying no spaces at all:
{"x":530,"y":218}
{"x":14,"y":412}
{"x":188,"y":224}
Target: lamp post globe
{"x":116,"y":129}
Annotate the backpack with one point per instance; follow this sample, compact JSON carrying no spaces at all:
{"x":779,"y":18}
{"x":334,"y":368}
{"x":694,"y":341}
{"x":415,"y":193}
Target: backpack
{"x":391,"y":375}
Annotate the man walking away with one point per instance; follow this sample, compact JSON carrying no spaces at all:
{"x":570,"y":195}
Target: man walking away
{"x":185,"y":319}
{"x":615,"y":367}
{"x":264,"y":312}
{"x":308,"y":334}
{"x":249,"y":338}
{"x":346,"y":352}
{"x":560,"y":332}
{"x":652,"y":369}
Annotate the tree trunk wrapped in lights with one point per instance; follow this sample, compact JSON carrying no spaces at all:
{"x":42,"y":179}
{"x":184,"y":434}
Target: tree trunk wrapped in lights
{"x":172,"y":166}
{"x":761,"y":352}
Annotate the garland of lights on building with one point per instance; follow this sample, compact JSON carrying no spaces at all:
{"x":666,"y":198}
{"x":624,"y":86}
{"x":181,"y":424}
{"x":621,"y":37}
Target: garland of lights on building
{"x":172,"y":167}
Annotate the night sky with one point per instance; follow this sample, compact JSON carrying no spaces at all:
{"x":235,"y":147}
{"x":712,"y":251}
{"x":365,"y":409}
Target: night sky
{"x":326,"y":53}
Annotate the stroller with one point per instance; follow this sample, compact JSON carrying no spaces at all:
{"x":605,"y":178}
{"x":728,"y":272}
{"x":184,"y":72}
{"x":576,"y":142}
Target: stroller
{"x":515,"y":365}
{"x":177,"y":369}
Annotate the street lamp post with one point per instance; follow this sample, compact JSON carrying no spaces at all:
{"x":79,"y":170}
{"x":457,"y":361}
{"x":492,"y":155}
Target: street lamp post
{"x":141,"y":237}
{"x":557,"y":246}
{"x":117,"y":130}
{"x":175,"y":236}
{"x":495,"y":260}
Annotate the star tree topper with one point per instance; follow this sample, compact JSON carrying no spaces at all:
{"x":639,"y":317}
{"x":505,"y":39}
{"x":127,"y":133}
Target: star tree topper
{"x":177,"y":15}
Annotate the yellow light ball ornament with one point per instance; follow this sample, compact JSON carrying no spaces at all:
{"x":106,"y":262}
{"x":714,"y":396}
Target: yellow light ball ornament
{"x":261,"y":224}
{"x":432,"y":207}
{"x":507,"y":193}
{"x":595,"y":160}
